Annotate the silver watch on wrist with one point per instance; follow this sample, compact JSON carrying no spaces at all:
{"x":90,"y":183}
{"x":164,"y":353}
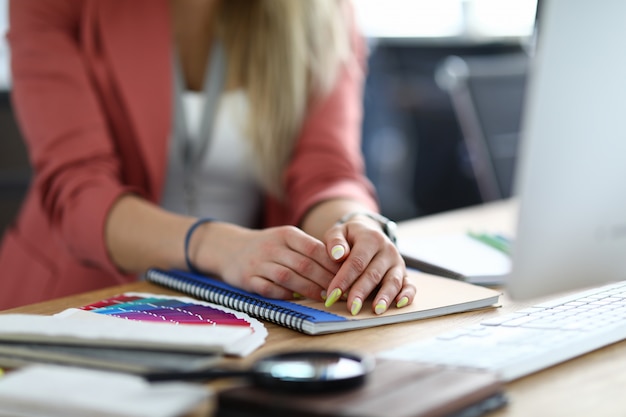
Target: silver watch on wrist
{"x":389,"y":226}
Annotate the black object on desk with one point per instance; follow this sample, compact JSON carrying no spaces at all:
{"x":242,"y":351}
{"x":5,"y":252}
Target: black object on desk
{"x":393,"y":389}
{"x":300,"y":371}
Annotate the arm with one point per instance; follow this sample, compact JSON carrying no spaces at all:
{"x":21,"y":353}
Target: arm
{"x":82,"y":176}
{"x":328,"y":175}
{"x":77,"y":173}
{"x":84,"y":167}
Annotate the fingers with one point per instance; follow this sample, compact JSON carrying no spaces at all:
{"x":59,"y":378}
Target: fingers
{"x":338,"y":247}
{"x":389,"y":285}
{"x":282,"y":262}
{"x":305,"y":247}
{"x":372,"y":266}
{"x":296,"y":274}
{"x":268,"y":289}
{"x":394,"y":294}
{"x":285,"y":263}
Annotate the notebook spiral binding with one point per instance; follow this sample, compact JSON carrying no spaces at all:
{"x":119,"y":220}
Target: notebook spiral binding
{"x":254,"y":306}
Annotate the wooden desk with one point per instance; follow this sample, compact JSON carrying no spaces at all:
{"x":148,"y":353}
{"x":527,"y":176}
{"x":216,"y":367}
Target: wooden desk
{"x":591,"y":385}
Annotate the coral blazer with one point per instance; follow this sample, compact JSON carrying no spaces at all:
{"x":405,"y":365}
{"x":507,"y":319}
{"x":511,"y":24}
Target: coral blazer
{"x":92,"y":90}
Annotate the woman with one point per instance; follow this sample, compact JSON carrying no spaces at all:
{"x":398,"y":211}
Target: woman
{"x":142,"y":117}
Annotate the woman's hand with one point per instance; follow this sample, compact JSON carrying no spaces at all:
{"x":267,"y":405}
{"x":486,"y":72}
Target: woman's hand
{"x":370,"y":262}
{"x":282,"y":262}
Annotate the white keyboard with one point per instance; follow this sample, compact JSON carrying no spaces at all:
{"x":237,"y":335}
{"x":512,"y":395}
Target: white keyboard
{"x":528,"y":340}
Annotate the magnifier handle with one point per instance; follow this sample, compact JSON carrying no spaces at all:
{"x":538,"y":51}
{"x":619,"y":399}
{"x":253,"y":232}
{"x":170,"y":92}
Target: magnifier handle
{"x":194,"y":375}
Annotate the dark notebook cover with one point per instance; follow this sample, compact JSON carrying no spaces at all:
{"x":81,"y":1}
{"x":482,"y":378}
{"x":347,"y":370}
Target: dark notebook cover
{"x":393,"y":389}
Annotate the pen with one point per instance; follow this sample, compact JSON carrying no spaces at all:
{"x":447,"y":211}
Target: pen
{"x":503,"y":238}
{"x":495,"y":241}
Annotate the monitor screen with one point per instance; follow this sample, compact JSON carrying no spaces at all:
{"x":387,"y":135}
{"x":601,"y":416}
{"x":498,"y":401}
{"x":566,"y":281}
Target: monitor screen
{"x":571,"y":168}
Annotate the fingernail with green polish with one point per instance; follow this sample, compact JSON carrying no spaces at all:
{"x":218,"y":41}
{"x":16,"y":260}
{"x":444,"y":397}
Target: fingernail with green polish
{"x":403,"y":302}
{"x":381,"y":307}
{"x":334,"y":296}
{"x":356,"y":306}
{"x":337,"y":252}
{"x":297,"y":295}
{"x":323,"y":295}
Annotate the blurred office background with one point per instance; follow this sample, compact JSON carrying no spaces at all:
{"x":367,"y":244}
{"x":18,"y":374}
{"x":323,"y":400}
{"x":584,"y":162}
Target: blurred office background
{"x":443,"y":100}
{"x":14,"y":167}
{"x":441,"y":108}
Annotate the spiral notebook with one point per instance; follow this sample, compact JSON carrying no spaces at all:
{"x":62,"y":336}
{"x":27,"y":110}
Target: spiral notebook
{"x":437,"y":296}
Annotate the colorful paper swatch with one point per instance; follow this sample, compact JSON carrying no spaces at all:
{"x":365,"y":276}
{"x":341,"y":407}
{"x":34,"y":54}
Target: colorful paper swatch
{"x":149,"y":307}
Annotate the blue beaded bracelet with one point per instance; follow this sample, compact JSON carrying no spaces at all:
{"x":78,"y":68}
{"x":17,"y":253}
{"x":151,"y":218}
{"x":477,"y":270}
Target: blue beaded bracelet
{"x":192,"y":228}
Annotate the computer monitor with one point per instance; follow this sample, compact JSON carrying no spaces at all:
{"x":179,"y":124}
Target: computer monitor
{"x":571,"y":173}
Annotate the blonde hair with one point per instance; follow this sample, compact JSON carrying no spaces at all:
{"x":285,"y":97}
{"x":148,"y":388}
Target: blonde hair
{"x":283,"y":53}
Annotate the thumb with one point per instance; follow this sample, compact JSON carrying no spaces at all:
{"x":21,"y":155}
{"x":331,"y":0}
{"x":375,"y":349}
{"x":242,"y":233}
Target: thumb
{"x":337,"y":245}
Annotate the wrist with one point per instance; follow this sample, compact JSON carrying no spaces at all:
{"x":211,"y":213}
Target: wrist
{"x":214,"y":245}
{"x":191,"y":251}
{"x":388,"y":226}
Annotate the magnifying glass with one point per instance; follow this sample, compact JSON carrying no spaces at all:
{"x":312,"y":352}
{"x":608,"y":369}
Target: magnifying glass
{"x":301,"y":371}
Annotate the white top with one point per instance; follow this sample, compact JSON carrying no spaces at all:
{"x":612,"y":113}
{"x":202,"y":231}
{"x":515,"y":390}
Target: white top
{"x":225,"y":186}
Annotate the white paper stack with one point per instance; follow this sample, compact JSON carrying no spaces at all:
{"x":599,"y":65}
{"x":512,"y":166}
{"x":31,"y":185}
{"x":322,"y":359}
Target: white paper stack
{"x":55,"y":391}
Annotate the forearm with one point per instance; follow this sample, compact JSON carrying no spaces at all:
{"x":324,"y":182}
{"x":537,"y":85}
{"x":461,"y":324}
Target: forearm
{"x":275,"y":262}
{"x":140,"y":235}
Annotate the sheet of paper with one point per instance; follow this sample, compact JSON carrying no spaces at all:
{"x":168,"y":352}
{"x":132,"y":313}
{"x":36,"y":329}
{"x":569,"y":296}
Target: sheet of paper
{"x":55,"y":391}
{"x":87,"y":328}
{"x":460,"y":253}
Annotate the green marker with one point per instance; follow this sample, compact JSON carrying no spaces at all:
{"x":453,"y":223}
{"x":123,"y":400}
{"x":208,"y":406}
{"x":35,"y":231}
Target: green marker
{"x":495,"y":241}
